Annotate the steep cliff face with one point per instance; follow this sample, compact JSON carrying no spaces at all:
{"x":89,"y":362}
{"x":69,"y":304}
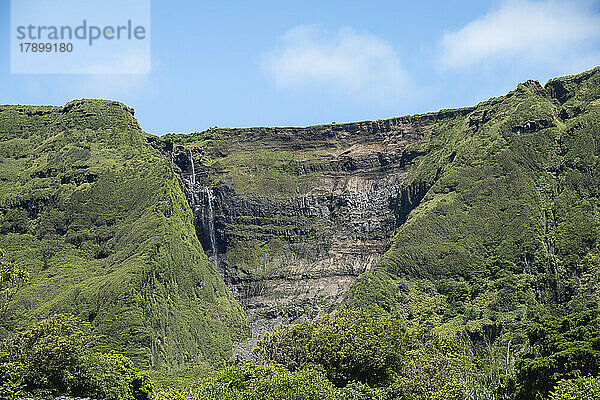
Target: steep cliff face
{"x":94,"y":212}
{"x":460,"y":218}
{"x":291,"y":216}
{"x":468,"y":220}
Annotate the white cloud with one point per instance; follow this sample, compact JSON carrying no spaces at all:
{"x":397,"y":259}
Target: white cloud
{"x":348,"y":61}
{"x":542,"y":31}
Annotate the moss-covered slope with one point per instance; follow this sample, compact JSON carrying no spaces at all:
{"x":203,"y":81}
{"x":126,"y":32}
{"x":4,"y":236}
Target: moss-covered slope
{"x":510,"y":224}
{"x":467,"y":220}
{"x":95,"y":213}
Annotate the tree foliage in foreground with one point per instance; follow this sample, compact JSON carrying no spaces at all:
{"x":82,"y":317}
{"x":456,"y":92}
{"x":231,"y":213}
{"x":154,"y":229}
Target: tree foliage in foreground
{"x":350,"y":345}
{"x":355,"y":347}
{"x":561,"y":349}
{"x":587,"y":388}
{"x":12,"y":279}
{"x":257,"y":382}
{"x":53,"y":357}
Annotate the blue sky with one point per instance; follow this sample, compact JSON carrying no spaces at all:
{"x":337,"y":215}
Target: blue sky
{"x":266,"y":63}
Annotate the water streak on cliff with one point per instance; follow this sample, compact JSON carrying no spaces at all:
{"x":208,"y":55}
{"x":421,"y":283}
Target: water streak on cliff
{"x":193,"y":174}
{"x":211,"y":225}
{"x":291,"y":216}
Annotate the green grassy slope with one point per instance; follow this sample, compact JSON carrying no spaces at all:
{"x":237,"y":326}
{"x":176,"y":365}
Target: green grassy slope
{"x":508,"y":228}
{"x":510,"y":225}
{"x":95,"y":213}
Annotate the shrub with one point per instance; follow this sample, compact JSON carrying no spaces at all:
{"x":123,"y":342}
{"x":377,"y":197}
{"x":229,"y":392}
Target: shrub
{"x":51,"y":352}
{"x":11,"y":380}
{"x":351,"y":345}
{"x":53,"y":356}
{"x":12,"y":279}
{"x":561,"y":348}
{"x":15,"y":220}
{"x":360,"y":391}
{"x":111,"y":377}
{"x":142,"y":387}
{"x":439,"y":368}
{"x":577,"y":389}
{"x":258,"y":382}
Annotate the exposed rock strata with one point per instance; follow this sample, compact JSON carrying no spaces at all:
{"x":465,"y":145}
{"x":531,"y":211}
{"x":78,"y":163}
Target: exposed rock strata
{"x":287,"y":255}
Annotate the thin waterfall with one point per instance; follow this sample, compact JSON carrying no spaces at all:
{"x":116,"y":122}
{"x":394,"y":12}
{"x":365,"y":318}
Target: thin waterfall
{"x":200,"y":199}
{"x":211,"y":224}
{"x":193,"y":177}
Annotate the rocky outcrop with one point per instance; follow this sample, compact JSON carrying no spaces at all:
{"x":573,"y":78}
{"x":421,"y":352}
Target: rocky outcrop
{"x":290,"y":216}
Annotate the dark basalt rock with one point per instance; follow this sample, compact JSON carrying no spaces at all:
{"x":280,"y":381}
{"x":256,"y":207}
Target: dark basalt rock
{"x":288,"y":256}
{"x":532,"y":126}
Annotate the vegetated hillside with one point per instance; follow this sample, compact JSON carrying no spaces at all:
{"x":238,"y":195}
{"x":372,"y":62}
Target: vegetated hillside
{"x":473,"y":219}
{"x":509,"y":227}
{"x":481,"y":216}
{"x":95,"y":213}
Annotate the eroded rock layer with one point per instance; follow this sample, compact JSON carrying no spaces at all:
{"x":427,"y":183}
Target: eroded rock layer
{"x":290,"y":216}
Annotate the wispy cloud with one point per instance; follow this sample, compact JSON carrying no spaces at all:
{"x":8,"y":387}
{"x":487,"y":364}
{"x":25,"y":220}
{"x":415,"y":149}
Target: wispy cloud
{"x":347,"y":61}
{"x":548,"y":31}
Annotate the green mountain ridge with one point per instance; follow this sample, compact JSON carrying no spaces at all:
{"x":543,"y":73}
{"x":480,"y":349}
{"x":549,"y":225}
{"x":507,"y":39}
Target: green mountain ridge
{"x":471,"y":220}
{"x":95,"y":213}
{"x":509,"y":226}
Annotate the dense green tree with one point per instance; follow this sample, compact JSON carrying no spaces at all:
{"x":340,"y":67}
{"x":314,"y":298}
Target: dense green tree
{"x":50,"y":351}
{"x":53,"y":356}
{"x":372,"y":355}
{"x":577,"y":389}
{"x":12,"y":279}
{"x":440,"y":368}
{"x":257,"y":382}
{"x":11,"y":380}
{"x":561,"y":348}
{"x":351,"y":345}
